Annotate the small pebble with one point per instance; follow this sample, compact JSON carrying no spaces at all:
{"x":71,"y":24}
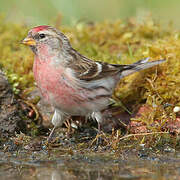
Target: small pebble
{"x":168,"y":149}
{"x":73,"y":125}
{"x":176,"y":109}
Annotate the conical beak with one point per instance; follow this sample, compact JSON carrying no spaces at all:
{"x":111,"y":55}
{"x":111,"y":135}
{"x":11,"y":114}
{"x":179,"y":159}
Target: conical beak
{"x":29,"y":41}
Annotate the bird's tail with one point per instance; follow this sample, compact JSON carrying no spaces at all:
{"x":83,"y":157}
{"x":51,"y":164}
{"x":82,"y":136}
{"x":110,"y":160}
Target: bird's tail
{"x":138,"y":66}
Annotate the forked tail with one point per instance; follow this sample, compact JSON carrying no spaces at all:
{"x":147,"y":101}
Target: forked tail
{"x":138,"y":66}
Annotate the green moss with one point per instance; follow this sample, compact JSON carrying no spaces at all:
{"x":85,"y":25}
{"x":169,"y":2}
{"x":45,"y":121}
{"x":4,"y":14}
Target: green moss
{"x":113,"y":42}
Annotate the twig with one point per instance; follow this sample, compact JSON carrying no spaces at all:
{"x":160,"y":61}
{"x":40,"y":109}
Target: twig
{"x":33,"y":107}
{"x":142,"y":134}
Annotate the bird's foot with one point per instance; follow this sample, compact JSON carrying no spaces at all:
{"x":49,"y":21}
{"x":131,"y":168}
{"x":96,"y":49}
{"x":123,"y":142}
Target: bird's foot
{"x":98,"y":140}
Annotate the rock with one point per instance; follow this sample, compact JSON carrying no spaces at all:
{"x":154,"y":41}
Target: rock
{"x":11,"y":115}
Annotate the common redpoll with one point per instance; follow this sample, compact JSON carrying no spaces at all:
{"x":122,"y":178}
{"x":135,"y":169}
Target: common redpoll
{"x":71,"y":82}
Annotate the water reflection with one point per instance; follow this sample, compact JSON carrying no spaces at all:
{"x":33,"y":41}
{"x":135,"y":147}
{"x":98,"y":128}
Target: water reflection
{"x":95,"y":168}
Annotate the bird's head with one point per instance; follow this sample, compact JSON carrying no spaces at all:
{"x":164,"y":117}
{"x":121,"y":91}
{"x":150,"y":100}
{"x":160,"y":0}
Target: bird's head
{"x":43,"y":39}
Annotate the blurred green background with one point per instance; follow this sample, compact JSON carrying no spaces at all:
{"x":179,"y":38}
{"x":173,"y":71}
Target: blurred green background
{"x":35,"y":12}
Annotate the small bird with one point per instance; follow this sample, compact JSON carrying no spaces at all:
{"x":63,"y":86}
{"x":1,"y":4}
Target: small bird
{"x":72,"y":83}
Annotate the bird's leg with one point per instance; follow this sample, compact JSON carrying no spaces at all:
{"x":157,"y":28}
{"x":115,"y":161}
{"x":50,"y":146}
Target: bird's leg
{"x":57,"y":120}
{"x":99,"y":138}
{"x":51,"y":134}
{"x":99,"y":127}
{"x":98,"y":117}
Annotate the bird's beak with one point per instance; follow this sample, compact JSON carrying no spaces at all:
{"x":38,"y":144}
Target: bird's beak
{"x":29,"y":41}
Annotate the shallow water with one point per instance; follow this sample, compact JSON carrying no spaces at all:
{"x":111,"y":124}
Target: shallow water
{"x":129,"y":165}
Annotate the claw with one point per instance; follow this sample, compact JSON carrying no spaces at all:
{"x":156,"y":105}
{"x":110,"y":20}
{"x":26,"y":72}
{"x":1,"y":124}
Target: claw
{"x":99,"y":141}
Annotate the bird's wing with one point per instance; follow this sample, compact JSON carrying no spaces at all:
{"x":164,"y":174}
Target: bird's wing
{"x":86,"y":69}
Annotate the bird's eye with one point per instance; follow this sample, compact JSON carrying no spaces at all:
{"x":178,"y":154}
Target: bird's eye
{"x":42,"y":36}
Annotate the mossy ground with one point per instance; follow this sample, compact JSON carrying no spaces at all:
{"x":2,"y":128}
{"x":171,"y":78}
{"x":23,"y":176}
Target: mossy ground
{"x":118,"y":42}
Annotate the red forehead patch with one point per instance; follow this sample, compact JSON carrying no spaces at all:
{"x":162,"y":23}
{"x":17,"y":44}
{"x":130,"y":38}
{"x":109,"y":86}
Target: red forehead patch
{"x":40,"y":28}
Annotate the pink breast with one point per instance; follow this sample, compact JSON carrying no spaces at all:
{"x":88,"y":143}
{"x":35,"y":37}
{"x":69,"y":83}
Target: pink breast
{"x":54,"y":85}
